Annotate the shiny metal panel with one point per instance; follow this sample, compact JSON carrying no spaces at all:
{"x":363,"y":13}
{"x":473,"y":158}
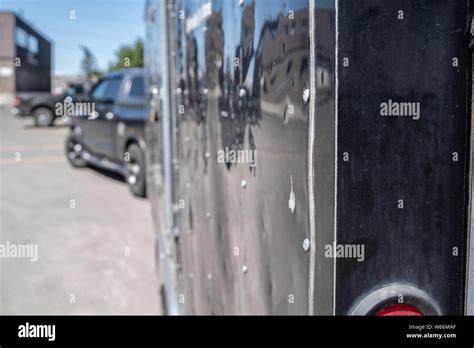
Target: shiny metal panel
{"x":242,"y":71}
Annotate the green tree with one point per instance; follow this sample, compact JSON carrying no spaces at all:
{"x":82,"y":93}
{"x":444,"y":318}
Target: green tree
{"x":129,"y":56}
{"x":89,"y":63}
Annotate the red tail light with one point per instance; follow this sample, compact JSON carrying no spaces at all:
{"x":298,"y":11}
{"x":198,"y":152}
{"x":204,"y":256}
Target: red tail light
{"x":399,"y":310}
{"x":17,"y":102}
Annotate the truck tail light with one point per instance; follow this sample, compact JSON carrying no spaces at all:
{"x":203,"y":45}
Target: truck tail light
{"x":399,"y":310}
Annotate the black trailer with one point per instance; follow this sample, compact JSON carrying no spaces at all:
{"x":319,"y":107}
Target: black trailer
{"x":310,"y":156}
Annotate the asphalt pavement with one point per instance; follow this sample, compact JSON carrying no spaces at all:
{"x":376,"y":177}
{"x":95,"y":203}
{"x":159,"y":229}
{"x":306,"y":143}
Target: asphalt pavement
{"x":94,"y":240}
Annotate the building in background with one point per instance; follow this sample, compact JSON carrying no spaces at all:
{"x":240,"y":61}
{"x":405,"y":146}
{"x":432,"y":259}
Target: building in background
{"x":25,"y":59}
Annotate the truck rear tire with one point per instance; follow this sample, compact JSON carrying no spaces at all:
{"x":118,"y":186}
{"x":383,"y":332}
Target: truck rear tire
{"x":43,"y":117}
{"x":135,"y":174}
{"x":74,"y":152}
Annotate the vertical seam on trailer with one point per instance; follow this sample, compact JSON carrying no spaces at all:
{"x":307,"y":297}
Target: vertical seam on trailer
{"x":336,"y":148}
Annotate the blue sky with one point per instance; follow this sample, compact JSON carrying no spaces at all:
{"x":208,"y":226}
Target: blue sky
{"x":102,"y":25}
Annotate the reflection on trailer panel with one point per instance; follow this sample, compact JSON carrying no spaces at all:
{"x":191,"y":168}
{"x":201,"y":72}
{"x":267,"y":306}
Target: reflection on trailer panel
{"x":283,"y":179}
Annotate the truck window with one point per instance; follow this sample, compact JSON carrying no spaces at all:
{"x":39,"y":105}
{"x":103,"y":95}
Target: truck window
{"x":74,"y":90}
{"x":107,"y":89}
{"x":137,"y":88}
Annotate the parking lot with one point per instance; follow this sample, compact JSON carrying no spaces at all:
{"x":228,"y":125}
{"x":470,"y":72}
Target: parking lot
{"x":94,"y":239}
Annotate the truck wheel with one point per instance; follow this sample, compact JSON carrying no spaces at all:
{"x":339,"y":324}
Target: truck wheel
{"x":135,"y":171}
{"x":74,"y":152}
{"x":43,"y":117}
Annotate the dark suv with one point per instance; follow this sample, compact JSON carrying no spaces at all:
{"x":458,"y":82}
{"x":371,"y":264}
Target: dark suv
{"x":112,"y":135}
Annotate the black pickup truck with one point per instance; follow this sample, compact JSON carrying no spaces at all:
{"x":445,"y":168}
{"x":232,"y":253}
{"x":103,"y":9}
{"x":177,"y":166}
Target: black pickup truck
{"x":42,"y":105}
{"x":112,"y":135}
